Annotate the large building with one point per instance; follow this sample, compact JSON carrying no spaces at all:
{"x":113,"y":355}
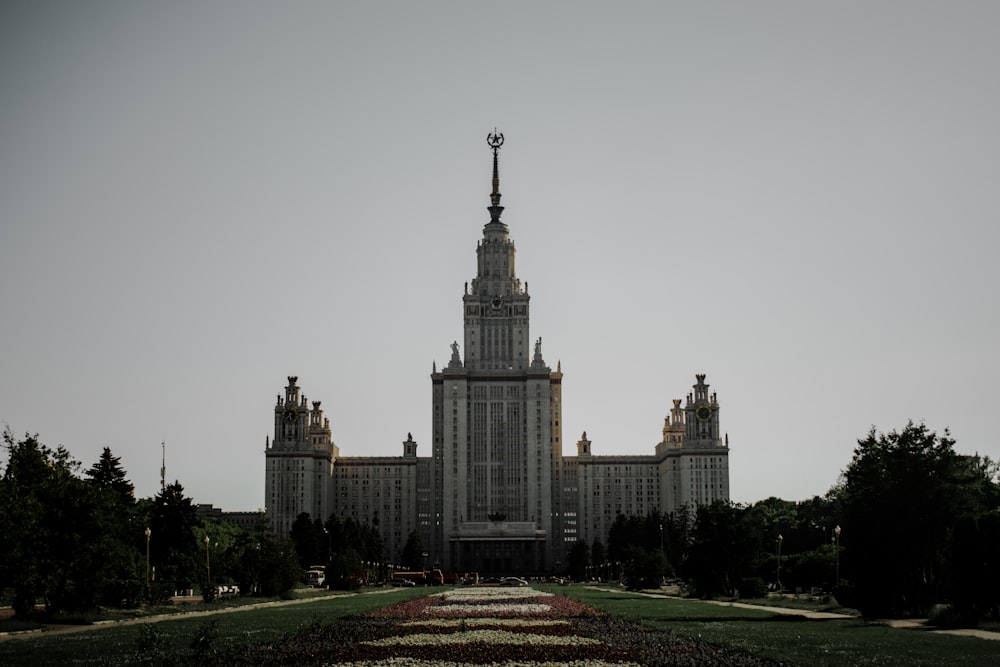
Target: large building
{"x":497,"y":494}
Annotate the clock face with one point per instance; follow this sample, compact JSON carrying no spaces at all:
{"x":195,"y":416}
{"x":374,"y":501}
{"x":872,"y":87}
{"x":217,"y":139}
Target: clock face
{"x":496,"y":302}
{"x":289,"y":415}
{"x":703,"y":413}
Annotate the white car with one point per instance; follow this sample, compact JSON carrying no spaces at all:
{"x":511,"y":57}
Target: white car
{"x":513,"y":581}
{"x":402,"y":582}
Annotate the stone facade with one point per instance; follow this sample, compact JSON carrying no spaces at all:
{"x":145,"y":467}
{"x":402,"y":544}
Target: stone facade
{"x":496,"y":495}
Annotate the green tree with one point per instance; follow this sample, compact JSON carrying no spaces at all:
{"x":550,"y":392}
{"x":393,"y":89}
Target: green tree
{"x":644,"y":568}
{"x":639,"y":543}
{"x":902,"y":495}
{"x":598,"y":554}
{"x":303,"y":535}
{"x":413,"y":552}
{"x":122,"y":525}
{"x":345,"y":571}
{"x":677,"y":526}
{"x":722,"y":551}
{"x":107,"y":473}
{"x":578,"y":559}
{"x":174,"y":547}
{"x":279,"y":569}
{"x":363,"y":538}
{"x":975,"y":562}
{"x":55,"y":536}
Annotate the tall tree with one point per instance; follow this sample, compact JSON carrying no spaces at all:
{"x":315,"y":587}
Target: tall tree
{"x":902,"y":495}
{"x":174,"y":545}
{"x":303,"y":535}
{"x":107,"y":473}
{"x":413,"y":551}
{"x":54,"y":535}
{"x":117,"y":511}
{"x":598,"y":554}
{"x":578,"y":558}
{"x":722,"y":549}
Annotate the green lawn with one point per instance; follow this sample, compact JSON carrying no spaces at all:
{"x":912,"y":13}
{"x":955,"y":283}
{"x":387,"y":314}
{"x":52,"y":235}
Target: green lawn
{"x":793,"y":639}
{"x":790,"y":639}
{"x":120,"y":644}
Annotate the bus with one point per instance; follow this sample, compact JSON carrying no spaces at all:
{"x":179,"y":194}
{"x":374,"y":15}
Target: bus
{"x":315,"y":577}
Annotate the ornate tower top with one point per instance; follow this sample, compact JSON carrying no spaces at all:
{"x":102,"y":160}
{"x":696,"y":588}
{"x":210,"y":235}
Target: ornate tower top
{"x":495,"y":141}
{"x":495,"y":303}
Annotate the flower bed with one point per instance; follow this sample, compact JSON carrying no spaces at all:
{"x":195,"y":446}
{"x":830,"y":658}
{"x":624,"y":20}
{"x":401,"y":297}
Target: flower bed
{"x":489,"y":626}
{"x":491,"y":603}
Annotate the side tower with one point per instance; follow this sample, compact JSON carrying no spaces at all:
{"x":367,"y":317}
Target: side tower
{"x":700,"y":471}
{"x":496,"y":446}
{"x":298,"y":461}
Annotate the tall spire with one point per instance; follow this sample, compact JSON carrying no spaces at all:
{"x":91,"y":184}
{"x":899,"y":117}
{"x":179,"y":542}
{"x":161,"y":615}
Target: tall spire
{"x":495,"y":141}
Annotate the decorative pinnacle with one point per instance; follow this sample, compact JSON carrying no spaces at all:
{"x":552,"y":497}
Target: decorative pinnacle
{"x":495,"y":141}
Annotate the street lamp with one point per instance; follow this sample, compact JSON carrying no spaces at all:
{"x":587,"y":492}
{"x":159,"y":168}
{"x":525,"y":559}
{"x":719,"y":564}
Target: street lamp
{"x":148,"y":534}
{"x":208,"y":565}
{"x":836,"y":550}
{"x":780,"y":540}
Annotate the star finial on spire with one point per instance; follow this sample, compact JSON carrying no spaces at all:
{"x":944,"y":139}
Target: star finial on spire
{"x":495,"y":141}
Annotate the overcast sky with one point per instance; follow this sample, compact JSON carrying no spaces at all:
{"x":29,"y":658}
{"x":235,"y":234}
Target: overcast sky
{"x":199,"y":199}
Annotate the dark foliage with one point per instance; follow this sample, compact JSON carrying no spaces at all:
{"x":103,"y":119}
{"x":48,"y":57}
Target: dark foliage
{"x":58,"y":547}
{"x":903,"y":496}
{"x":174,"y":546}
{"x":975,"y":560}
{"x":346,"y":571}
{"x":751,"y":588}
{"x":577,"y":561}
{"x":413,"y":552}
{"x":306,"y":540}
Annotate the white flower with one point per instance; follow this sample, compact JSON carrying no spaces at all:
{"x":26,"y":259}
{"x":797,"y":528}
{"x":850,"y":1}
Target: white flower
{"x":483,"y":636}
{"x":470,"y":594}
{"x":476,"y":622}
{"x":473,"y":609}
{"x":417,"y":662}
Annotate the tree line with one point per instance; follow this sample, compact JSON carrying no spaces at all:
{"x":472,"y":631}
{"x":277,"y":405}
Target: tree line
{"x":73,"y":540}
{"x":911,"y":524}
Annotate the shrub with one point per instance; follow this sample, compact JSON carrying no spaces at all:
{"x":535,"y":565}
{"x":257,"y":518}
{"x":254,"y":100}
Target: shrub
{"x":752,"y":587}
{"x":844,"y":593}
{"x":203,"y":642}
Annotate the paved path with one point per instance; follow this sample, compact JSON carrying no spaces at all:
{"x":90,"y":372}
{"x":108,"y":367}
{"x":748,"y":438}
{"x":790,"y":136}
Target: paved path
{"x":908,"y":624}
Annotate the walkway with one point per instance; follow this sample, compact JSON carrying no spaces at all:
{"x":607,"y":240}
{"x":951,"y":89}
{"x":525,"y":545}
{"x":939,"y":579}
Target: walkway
{"x":906,"y":624}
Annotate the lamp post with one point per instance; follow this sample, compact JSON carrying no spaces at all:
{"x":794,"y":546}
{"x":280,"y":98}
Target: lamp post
{"x":780,"y":540}
{"x":208,"y":564}
{"x":836,"y":551}
{"x":148,"y":533}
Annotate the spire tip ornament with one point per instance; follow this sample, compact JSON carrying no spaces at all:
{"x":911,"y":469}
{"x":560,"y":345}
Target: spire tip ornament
{"x":495,"y":141}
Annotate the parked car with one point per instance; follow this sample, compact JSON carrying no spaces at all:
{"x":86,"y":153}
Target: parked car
{"x":402,"y":583}
{"x":513,"y":581}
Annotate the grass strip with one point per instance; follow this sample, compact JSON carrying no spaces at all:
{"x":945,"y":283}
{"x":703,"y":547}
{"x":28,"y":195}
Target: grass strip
{"x":155,"y":642}
{"x":793,"y":640}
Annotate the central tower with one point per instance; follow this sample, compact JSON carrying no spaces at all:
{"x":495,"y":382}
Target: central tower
{"x":496,"y":310}
{"x":497,"y":451}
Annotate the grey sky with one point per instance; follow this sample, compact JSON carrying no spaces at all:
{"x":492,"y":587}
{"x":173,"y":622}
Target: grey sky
{"x":197,"y":199}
